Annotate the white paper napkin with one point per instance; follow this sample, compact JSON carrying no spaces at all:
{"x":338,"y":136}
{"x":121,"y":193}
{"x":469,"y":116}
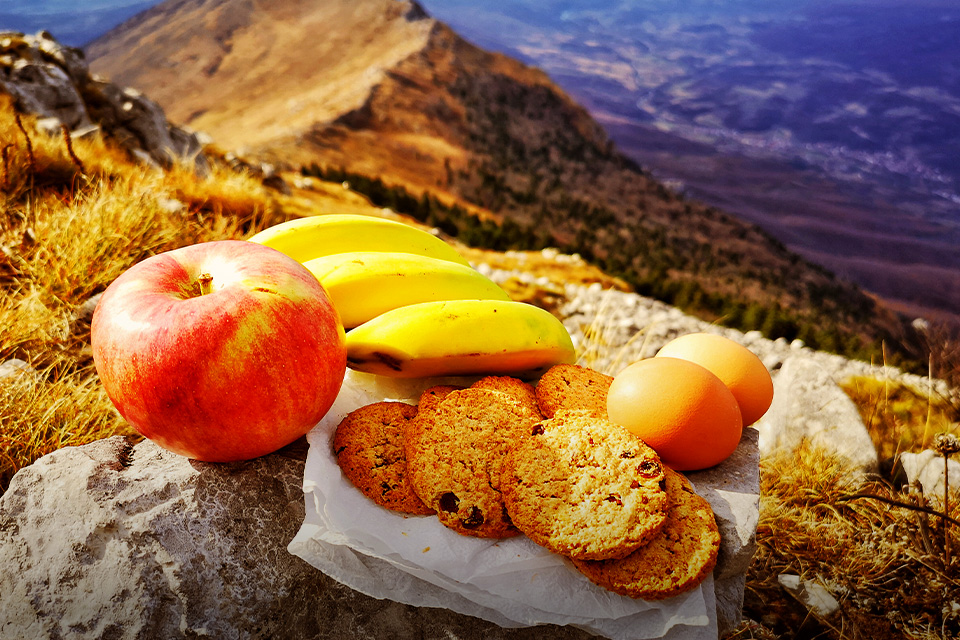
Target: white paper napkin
{"x":416,"y":560}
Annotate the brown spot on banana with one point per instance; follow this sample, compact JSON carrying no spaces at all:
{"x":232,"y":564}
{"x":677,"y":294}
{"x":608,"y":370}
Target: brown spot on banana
{"x":378,"y":356}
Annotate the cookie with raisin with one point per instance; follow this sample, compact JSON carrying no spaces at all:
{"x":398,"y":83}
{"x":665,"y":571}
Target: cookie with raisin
{"x":455,"y":458}
{"x":368,"y":447}
{"x":678,"y":559}
{"x":584,"y":487}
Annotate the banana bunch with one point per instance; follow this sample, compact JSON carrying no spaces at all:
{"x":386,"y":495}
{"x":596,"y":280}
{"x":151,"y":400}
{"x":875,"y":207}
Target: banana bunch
{"x":365,"y":284}
{"x":413,"y":305}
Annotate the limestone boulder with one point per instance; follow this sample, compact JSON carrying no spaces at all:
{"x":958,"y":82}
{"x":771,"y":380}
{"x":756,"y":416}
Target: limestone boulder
{"x":809,"y":405}
{"x":123,"y":540}
{"x":43,"y":88}
{"x":733,"y":490}
{"x":140,"y":123}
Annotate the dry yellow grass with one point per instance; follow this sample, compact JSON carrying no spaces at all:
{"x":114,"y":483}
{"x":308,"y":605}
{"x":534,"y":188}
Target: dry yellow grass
{"x":872,"y":547}
{"x":898,"y":417}
{"x":46,"y":411}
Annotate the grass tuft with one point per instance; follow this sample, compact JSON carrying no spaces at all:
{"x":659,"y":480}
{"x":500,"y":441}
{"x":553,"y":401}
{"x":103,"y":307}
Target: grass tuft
{"x":883,"y":563}
{"x":898,"y":417}
{"x":48,"y":410}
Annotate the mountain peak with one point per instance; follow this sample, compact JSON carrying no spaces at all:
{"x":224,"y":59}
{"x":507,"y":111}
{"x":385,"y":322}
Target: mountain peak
{"x":416,"y":11}
{"x":247,"y":74}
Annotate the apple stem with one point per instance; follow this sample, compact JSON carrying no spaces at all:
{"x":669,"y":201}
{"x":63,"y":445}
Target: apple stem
{"x":205,"y":280}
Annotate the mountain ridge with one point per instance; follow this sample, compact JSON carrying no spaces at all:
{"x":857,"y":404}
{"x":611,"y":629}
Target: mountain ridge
{"x":442,"y":119}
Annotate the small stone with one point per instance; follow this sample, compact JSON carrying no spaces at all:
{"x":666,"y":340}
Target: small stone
{"x":84,"y":313}
{"x":927,"y":469}
{"x":772,"y":361}
{"x":810,"y":594}
{"x":15,"y":368}
{"x":171,"y":205}
{"x":88,"y":131}
{"x":51,"y":126}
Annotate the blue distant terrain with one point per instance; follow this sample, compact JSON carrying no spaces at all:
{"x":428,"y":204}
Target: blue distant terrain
{"x":865,"y":90}
{"x":74,"y":22}
{"x":832,"y":124}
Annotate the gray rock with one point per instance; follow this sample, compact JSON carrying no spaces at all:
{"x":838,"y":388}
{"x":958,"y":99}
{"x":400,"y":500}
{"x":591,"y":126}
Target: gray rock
{"x":84,"y":312}
{"x":124,"y":541}
{"x":140,"y":123}
{"x":729,"y":593}
{"x":813,"y":595}
{"x":809,"y":406}
{"x":45,"y":89}
{"x":733,"y":490}
{"x":928,"y":470}
{"x":54,"y":83}
{"x":50,"y":126}
{"x":71,"y":59}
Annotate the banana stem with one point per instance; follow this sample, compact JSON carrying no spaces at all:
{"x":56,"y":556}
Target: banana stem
{"x":205,"y":280}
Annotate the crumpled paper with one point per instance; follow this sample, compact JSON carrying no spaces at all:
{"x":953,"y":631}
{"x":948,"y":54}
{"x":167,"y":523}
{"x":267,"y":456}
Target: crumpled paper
{"x":417,"y":561}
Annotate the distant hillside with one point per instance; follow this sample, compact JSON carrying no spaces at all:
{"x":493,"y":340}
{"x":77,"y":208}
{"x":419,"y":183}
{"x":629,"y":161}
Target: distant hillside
{"x":833,"y":125}
{"x":378,"y":92}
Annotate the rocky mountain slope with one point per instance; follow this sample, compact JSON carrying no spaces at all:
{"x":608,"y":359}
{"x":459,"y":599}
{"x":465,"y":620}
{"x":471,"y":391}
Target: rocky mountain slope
{"x":378,"y":89}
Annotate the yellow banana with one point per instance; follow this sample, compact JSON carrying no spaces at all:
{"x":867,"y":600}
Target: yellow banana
{"x":306,"y":238}
{"x":365,"y":284}
{"x":460,"y":337}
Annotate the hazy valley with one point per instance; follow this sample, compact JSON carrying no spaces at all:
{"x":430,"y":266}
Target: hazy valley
{"x":831,"y":125}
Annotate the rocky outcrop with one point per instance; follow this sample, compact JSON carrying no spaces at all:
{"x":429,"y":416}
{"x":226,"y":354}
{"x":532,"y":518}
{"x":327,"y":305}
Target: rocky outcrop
{"x":123,"y":540}
{"x":54,"y":83}
{"x":809,"y":406}
{"x":126,"y":540}
{"x":733,"y":491}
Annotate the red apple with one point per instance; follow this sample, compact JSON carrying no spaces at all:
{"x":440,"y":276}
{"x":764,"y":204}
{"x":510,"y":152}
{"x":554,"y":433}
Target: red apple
{"x":219,"y":351}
